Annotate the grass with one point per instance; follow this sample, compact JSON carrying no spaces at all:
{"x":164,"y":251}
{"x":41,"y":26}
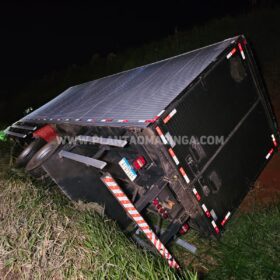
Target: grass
{"x":249,"y":249}
{"x":44,"y":236}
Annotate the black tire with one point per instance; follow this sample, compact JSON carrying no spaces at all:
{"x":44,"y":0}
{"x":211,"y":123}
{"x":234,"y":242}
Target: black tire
{"x":26,"y":155}
{"x":34,"y":166}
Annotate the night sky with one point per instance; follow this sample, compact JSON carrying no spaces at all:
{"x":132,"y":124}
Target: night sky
{"x":40,"y":37}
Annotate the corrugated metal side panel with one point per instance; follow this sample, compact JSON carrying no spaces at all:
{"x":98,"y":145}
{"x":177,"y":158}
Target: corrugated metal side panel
{"x":136,"y":95}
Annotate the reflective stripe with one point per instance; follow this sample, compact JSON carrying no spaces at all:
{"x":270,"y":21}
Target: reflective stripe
{"x":171,"y":152}
{"x":241,"y":50}
{"x":162,"y":137}
{"x":138,"y":219}
{"x":168,"y":117}
{"x":269,"y":154}
{"x":184,"y":174}
{"x":233,"y":51}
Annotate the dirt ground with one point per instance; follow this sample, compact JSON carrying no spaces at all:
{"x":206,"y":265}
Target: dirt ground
{"x":267,"y":187}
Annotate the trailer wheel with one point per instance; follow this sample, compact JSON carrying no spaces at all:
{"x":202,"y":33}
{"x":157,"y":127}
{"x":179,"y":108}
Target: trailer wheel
{"x":26,"y":155}
{"x":34,"y":166}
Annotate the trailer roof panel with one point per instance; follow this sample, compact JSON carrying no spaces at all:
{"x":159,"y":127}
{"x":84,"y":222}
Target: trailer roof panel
{"x":130,"y":97}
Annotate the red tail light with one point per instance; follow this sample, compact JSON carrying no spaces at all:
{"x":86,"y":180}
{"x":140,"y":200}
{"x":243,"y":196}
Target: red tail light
{"x":139,"y":162}
{"x":184,"y":229}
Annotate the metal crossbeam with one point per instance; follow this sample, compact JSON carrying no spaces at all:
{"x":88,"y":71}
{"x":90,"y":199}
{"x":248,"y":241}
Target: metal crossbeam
{"x":83,"y":159}
{"x":24,"y":127}
{"x":19,"y":135}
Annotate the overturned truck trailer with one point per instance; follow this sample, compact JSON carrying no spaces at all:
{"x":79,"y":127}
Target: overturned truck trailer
{"x":182,"y":139}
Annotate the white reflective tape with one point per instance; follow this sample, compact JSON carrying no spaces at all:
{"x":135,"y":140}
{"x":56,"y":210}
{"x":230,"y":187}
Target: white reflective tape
{"x":111,"y":184}
{"x":229,"y":55}
{"x":213,"y":224}
{"x":133,"y":212}
{"x":176,"y":160}
{"x":268,"y":155}
{"x":160,"y":113}
{"x":169,"y":138}
{"x":141,"y":121}
{"x":227,"y":215}
{"x":173,"y":112}
{"x":163,"y":139}
{"x":104,"y":120}
{"x":194,"y":191}
{"x":122,"y":198}
{"x":128,"y":205}
{"x":213,"y":214}
{"x":117,"y":191}
{"x":204,"y":207}
{"x":186,"y":178}
{"x":143,"y":225}
{"x":137,"y":219}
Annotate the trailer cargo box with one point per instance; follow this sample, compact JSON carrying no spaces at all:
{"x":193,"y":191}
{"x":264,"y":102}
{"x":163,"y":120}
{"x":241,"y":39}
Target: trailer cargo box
{"x":182,"y":139}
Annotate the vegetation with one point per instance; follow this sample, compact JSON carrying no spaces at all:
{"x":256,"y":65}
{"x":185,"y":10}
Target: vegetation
{"x":45,"y":236}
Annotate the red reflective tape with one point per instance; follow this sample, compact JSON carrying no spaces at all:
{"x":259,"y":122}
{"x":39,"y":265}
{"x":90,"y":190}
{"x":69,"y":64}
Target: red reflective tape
{"x":154,"y":119}
{"x":159,"y":131}
{"x":46,"y":132}
{"x":109,"y":180}
{"x":124,"y":201}
{"x":171,"y":152}
{"x":231,"y":53}
{"x":107,"y":120}
{"x":215,"y":227}
{"x":150,"y":121}
{"x":241,"y":50}
{"x":274,"y":140}
{"x":165,"y":120}
{"x":162,"y":137}
{"x":182,"y":171}
{"x":172,"y":113}
{"x":118,"y":194}
{"x":206,"y":210}
{"x":269,"y":153}
{"x":225,"y":219}
{"x":198,"y":197}
{"x":113,"y":188}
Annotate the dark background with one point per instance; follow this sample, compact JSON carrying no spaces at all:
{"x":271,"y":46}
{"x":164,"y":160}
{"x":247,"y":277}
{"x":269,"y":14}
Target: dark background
{"x":38,"y":38}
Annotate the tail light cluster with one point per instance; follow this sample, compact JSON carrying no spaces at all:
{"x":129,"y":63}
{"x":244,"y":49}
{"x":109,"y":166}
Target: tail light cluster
{"x":160,"y":208}
{"x":184,"y":229}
